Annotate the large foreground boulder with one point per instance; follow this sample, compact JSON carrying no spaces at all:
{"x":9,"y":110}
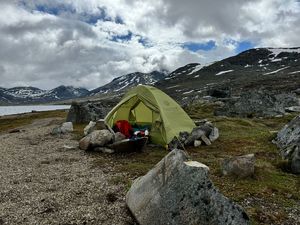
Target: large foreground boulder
{"x":179,"y":191}
{"x":261,"y":103}
{"x":85,"y":112}
{"x":288,"y":141}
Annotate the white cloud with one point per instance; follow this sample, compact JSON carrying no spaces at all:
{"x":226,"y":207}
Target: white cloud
{"x":45,"y":50}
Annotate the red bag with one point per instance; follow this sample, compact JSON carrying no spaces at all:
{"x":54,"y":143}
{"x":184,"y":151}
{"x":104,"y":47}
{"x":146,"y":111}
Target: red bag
{"x":124,"y":127}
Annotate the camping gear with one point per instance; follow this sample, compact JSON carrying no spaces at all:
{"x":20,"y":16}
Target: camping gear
{"x":147,"y":105}
{"x":129,"y":145}
{"x":124,"y":127}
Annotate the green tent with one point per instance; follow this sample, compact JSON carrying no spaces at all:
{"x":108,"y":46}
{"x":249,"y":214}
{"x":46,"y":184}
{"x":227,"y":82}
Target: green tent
{"x":147,"y":105}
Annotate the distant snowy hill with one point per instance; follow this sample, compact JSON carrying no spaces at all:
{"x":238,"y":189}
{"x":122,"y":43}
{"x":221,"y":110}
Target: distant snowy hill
{"x":25,"y":95}
{"x":271,"y":68}
{"x":122,"y":83}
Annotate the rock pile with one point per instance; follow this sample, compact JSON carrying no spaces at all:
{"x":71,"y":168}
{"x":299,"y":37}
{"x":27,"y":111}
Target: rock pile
{"x":260,"y":103}
{"x":288,"y":140}
{"x":205,"y":133}
{"x":179,"y":191}
{"x":99,"y":139}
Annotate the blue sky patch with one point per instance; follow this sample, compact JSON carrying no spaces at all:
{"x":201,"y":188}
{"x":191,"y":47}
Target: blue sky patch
{"x":243,"y":46}
{"x":122,"y":38}
{"x":194,"y":46}
{"x":67,"y":11}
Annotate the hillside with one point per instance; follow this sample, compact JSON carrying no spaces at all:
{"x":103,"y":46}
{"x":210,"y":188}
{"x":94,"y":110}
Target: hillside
{"x":123,"y":83}
{"x":270,"y":68}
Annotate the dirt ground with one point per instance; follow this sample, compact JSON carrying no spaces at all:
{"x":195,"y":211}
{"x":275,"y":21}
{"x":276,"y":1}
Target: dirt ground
{"x":44,"y":182}
{"x":46,"y":179}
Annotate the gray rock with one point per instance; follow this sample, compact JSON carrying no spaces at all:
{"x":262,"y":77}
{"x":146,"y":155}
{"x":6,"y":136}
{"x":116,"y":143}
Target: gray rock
{"x":89,"y":128}
{"x":261,"y":103}
{"x":196,"y":133}
{"x":119,"y":137}
{"x":214,"y":134}
{"x":66,"y":127}
{"x":101,"y":125}
{"x":85,"y":112}
{"x":292,"y":109}
{"x":97,"y":138}
{"x":200,"y":122}
{"x":56,"y":131}
{"x":295,"y":160}
{"x":241,"y":166}
{"x":205,"y":140}
{"x":178,"y":191}
{"x":197,"y":143}
{"x":288,"y":137}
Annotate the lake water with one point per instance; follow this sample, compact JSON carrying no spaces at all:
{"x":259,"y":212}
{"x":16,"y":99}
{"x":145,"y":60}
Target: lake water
{"x":11,"y":110}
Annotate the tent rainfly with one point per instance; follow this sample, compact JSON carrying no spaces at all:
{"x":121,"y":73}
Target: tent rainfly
{"x":147,"y":105}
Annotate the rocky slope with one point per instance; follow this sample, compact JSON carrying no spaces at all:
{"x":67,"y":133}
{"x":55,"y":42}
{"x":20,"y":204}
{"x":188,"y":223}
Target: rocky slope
{"x":24,"y":95}
{"x":122,"y":83}
{"x":269,"y":68}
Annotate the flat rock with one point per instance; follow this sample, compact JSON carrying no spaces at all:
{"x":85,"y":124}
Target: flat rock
{"x":240,"y":166}
{"x":179,"y":191}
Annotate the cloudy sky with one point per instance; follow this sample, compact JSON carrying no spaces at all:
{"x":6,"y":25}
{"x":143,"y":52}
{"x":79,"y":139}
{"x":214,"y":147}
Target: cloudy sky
{"x":46,"y":43}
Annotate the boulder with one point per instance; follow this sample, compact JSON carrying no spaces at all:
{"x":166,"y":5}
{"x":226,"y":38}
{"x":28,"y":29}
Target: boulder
{"x":240,"y":166}
{"x":288,"y":136}
{"x":66,"y":127}
{"x":85,"y":112}
{"x":97,"y":138}
{"x":89,"y":128}
{"x":179,"y":191}
{"x":119,"y":137}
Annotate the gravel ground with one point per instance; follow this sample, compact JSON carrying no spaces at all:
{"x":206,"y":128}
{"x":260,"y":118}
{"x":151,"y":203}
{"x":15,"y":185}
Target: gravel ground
{"x":42,"y":182}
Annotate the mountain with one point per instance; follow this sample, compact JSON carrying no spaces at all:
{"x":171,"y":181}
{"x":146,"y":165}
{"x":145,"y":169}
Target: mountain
{"x":122,"y":83}
{"x":269,"y":68}
{"x":26,"y":95}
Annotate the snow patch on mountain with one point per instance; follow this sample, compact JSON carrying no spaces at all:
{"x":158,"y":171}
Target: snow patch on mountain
{"x":223,"y":72}
{"x":277,"y":51}
{"x":276,"y":71}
